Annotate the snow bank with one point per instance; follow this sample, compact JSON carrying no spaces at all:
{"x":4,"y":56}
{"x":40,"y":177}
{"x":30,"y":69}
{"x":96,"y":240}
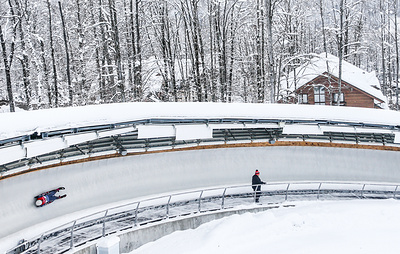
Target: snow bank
{"x":330,"y":227}
{"x":27,"y":122}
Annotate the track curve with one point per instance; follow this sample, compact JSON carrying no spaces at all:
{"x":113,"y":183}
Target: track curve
{"x":98,"y":183}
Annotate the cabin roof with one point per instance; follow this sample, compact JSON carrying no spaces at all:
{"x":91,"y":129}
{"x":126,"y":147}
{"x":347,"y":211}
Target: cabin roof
{"x":351,"y":74}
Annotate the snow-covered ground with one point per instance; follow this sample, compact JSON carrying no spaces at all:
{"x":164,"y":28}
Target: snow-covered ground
{"x":314,"y":227}
{"x":277,"y":231}
{"x":27,"y":122}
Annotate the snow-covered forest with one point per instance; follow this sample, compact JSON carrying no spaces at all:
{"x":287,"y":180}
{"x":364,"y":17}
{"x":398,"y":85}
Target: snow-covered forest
{"x":79,"y":52}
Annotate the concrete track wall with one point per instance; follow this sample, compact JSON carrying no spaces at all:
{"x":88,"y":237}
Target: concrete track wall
{"x":98,"y":183}
{"x":133,"y":239}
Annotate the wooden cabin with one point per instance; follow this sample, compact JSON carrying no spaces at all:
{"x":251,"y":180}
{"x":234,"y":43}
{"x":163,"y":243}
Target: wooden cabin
{"x":317,"y":83}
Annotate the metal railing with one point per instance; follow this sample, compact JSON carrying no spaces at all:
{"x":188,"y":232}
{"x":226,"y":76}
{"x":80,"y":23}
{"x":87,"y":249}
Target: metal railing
{"x":133,"y":215}
{"x":129,"y":142}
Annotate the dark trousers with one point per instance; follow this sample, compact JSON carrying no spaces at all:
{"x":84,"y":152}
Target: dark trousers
{"x":258,"y":194}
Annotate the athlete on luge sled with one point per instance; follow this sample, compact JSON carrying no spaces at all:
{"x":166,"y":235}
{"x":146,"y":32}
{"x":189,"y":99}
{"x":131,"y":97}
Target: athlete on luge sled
{"x":48,"y":197}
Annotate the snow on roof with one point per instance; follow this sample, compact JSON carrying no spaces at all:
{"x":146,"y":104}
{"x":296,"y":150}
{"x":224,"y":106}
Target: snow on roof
{"x":27,"y":122}
{"x":361,"y":79}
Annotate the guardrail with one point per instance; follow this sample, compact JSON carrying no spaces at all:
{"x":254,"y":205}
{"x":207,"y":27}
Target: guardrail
{"x":133,"y":215}
{"x":92,"y":128}
{"x":51,"y":148}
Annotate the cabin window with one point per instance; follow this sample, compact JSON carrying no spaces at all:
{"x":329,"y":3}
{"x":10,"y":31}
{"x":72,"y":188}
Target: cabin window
{"x":302,"y":98}
{"x":336,"y":96}
{"x":319,"y":95}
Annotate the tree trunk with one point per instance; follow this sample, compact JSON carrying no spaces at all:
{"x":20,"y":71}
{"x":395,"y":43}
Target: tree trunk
{"x":260,"y":83}
{"x":233,"y":28}
{"x":340,"y":49}
{"x":24,"y":60}
{"x":106,"y":59}
{"x":133,"y":49}
{"x":211,"y":19}
{"x":117,"y":49}
{"x":345,"y":28}
{"x":321,"y":11}
{"x":168,"y":50}
{"x":100,"y":78}
{"x":196,"y":48}
{"x":7,"y":67}
{"x":81,"y":66}
{"x":127,"y":31}
{"x":45,"y":71}
{"x":397,"y":54}
{"x":383,"y":23}
{"x":70,"y":90}
{"x":138,"y":62}
{"x":221,"y":54}
{"x":271,"y":61}
{"x":56,"y":94}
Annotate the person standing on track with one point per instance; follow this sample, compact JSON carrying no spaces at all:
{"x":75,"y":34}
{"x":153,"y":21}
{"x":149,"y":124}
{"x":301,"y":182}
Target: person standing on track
{"x":256,"y":185}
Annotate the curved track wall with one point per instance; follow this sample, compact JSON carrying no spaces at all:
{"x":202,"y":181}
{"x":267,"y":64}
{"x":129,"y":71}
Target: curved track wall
{"x":98,"y":183}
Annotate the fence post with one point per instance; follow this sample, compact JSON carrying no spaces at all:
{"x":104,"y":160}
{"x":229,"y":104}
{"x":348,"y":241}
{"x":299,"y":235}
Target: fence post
{"x":136,"y":213}
{"x":71,"y":245}
{"x":254,"y":193}
{"x":395,"y":190}
{"x":39,"y":242}
{"x":319,"y":188}
{"x":362,"y":191}
{"x":201,"y":194}
{"x":169,"y":200}
{"x":287,"y":189}
{"x":104,"y":223}
{"x":223,"y":199}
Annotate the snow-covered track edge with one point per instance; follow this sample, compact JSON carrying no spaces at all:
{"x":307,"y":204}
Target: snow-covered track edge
{"x":123,"y":220}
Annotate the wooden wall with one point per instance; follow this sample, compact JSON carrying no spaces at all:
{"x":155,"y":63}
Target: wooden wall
{"x":353,"y":96}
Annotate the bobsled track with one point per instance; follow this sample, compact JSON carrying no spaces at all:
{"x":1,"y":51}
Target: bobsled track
{"x":138,"y":159}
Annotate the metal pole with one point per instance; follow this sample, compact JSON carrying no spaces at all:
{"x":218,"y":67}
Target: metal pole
{"x":169,"y":200}
{"x":136,"y":213}
{"x":104,"y":223}
{"x":201,"y":194}
{"x":319,"y":188}
{"x":72,"y":236}
{"x":394,"y":196}
{"x":223,"y":199}
{"x":40,"y":240}
{"x":362,"y":191}
{"x":287,"y":189}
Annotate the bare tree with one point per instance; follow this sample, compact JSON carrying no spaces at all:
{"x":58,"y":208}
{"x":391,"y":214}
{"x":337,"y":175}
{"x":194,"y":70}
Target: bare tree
{"x":80,"y":61}
{"x":24,"y":58}
{"x":269,"y":4}
{"x":340,"y":45}
{"x":71,"y":93}
{"x":7,"y":67}
{"x":117,"y":50}
{"x":397,"y":53}
{"x":55,"y":81}
{"x":8,"y":58}
{"x":382,"y":28}
{"x":45,"y":72}
{"x":136,"y":49}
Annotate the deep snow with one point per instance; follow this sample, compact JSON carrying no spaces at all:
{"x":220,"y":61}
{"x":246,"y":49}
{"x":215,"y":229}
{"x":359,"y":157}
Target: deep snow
{"x":311,"y":227}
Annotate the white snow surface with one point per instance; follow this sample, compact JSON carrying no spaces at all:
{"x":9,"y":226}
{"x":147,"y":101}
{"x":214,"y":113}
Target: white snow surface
{"x":27,"y":122}
{"x":335,"y":227}
{"x":310,"y":227}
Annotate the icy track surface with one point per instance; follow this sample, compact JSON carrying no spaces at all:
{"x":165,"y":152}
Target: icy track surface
{"x":356,"y":227}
